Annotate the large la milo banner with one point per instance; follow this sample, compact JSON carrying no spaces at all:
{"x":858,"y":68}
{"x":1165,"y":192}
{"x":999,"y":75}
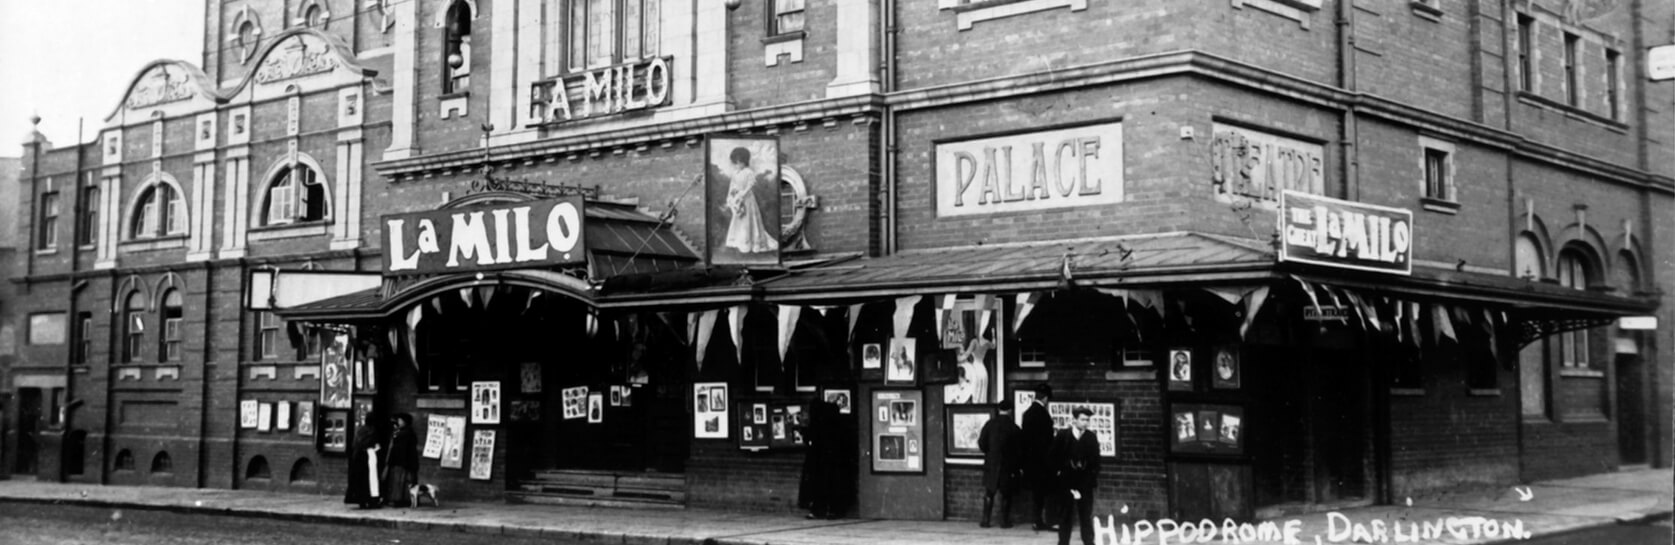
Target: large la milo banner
{"x":1344,"y":234}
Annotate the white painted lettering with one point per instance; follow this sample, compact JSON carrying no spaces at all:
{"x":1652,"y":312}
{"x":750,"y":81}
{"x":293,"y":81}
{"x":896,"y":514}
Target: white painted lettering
{"x":520,"y":221}
{"x":470,"y":240}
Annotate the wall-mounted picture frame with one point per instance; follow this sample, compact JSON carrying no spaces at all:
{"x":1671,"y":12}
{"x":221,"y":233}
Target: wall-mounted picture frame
{"x":964,"y":427}
{"x":1202,"y":428}
{"x":742,"y":200}
{"x":1179,"y":369}
{"x":872,"y":356}
{"x":709,"y":417}
{"x":898,"y":432}
{"x":902,"y":362}
{"x":485,"y":402}
{"x":1225,"y":368}
{"x":838,"y":397}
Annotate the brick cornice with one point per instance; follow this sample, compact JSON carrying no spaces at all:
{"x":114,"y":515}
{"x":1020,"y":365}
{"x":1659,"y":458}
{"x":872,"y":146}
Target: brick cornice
{"x":1179,"y":63}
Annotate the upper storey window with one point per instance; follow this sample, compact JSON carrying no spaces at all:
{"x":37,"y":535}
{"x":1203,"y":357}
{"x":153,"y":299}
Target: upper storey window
{"x":1526,"y":52}
{"x":786,"y":17}
{"x":456,"y":48}
{"x":605,"y":32}
{"x":1572,"y":80}
{"x":296,"y":195}
{"x":159,"y":211}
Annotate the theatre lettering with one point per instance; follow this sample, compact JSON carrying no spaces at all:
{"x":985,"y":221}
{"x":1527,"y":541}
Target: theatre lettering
{"x":1078,"y":166}
{"x":500,"y":236}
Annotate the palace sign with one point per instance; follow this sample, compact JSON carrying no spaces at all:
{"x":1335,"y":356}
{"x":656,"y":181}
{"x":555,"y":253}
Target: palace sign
{"x":1079,"y":166}
{"x":498,"y":236}
{"x":1350,"y":235}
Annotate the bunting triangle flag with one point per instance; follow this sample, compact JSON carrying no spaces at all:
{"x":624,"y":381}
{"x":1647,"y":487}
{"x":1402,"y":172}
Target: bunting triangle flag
{"x":414,"y":316}
{"x":465,"y":295}
{"x":788,"y":315}
{"x":1152,"y":299}
{"x":1442,"y":323}
{"x":904,"y":313}
{"x":1413,"y":323}
{"x":1360,"y":310}
{"x":529,"y":301}
{"x":1026,"y":303}
{"x":486,"y":294}
{"x":945,"y":303}
{"x":701,"y":340}
{"x":1308,"y":290}
{"x":1253,"y":305}
{"x":854,"y":314}
{"x":735,"y":329}
{"x":1233,"y":296}
{"x":1401,"y":321}
{"x":1489,"y":326}
{"x":436,"y":304}
{"x":983,"y":302}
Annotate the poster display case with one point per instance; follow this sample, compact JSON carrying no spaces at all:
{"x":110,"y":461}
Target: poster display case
{"x":1204,"y":428}
{"x":772,"y":425}
{"x":898,"y":431}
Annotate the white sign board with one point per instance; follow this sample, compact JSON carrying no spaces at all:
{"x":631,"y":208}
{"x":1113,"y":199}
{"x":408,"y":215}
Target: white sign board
{"x":1660,"y":63}
{"x":1638,"y":323}
{"x":1078,"y":166}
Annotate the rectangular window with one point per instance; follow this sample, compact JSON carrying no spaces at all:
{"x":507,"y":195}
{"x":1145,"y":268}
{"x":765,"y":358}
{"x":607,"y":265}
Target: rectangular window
{"x":83,"y":349}
{"x":1572,"y":85}
{"x":171,"y":338}
{"x":46,"y":328}
{"x":175,"y":214}
{"x":148,"y":218}
{"x":87,"y":230}
{"x":606,"y":32}
{"x":1613,"y":84}
{"x":267,"y":336}
{"x":55,"y":414}
{"x":134,"y":343}
{"x":49,"y":221}
{"x":787,"y":17}
{"x":1526,"y":53}
{"x":1436,"y":175}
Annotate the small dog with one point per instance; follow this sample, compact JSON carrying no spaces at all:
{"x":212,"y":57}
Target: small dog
{"x":422,"y":490}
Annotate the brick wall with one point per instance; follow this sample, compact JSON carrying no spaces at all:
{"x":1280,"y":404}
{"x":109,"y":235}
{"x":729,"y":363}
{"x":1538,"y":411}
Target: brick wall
{"x":1447,"y":436}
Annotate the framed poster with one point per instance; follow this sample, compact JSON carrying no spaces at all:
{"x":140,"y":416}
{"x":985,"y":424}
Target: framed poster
{"x":436,"y":433}
{"x":964,"y":427}
{"x":482,"y":454}
{"x":305,"y":418}
{"x":1225,"y":373}
{"x":628,"y":395}
{"x":902,"y":367}
{"x":366,"y":381}
{"x":1103,"y":423}
{"x":1206,"y":428}
{"x":741,"y":191}
{"x":334,"y":430}
{"x":485,"y":402}
{"x":264,"y":417}
{"x":282,"y":416}
{"x":335,"y":379}
{"x":247,"y":417}
{"x":575,"y":402}
{"x":897,"y":431}
{"x":839,"y":398}
{"x":529,"y":377}
{"x":872,"y":356}
{"x":524,"y":410}
{"x":453,"y":444}
{"x":976,"y":356}
{"x":709,"y":416}
{"x":1180,"y":369}
{"x":595,"y":408}
{"x":616,"y":395}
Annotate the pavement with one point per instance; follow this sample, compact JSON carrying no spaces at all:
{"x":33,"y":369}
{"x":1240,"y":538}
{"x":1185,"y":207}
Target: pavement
{"x":1474,"y":517}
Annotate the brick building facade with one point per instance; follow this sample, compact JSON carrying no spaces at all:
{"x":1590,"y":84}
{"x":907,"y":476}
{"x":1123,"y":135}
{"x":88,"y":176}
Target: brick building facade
{"x":1066,"y":192}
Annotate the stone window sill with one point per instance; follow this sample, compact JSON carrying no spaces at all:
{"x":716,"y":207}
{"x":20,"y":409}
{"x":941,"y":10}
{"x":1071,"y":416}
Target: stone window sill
{"x":1572,"y":112}
{"x":1428,"y":10}
{"x":1581,"y":373}
{"x":289,"y":230}
{"x":969,"y":14}
{"x":1301,"y":11}
{"x":154,"y":243}
{"x":1440,"y":206}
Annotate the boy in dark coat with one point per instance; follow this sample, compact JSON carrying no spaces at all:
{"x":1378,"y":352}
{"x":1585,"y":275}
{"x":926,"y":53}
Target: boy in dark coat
{"x":999,"y":443}
{"x":1037,"y":439}
{"x":1076,"y":457}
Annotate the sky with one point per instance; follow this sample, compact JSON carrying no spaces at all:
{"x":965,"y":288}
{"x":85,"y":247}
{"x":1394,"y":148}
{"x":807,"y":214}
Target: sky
{"x":69,"y":59}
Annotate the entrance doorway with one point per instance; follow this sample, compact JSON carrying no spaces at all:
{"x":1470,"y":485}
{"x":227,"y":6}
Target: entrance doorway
{"x":1631,"y":406}
{"x":30,"y":408}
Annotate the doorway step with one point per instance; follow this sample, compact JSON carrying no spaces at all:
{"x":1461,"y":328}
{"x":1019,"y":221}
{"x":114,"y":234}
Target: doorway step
{"x":602,"y":488}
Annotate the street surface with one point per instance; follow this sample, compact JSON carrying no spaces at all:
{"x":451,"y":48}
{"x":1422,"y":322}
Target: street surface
{"x":36,"y":524}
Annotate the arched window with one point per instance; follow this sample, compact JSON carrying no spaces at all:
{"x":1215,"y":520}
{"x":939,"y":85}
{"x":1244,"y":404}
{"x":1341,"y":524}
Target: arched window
{"x":302,"y":471}
{"x":604,"y":32}
{"x":1527,"y":261}
{"x":133,"y":327}
{"x":124,"y":460}
{"x":456,"y":48}
{"x":171,"y":315}
{"x":314,"y":16}
{"x":1574,"y":273}
{"x":258,"y":469}
{"x":159,"y":211}
{"x":161,"y":463}
{"x":1628,"y":272}
{"x":246,"y":38}
{"x":297,"y":194}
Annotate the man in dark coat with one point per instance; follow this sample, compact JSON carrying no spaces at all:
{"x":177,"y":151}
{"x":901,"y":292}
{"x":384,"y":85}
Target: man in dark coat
{"x":1037,"y":439}
{"x":1076,"y":457}
{"x":827,"y":473}
{"x":999,"y":443}
{"x":401,"y":462}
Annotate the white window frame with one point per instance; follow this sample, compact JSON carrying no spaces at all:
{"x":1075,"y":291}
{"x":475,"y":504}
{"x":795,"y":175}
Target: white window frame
{"x":1447,"y":186}
{"x":580,"y":22}
{"x":1573,"y":272}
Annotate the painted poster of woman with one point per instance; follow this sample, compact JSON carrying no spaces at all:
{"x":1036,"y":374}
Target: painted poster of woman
{"x":742,"y":189}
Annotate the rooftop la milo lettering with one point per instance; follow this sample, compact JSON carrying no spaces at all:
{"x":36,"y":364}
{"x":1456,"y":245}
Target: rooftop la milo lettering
{"x":1061,"y":168}
{"x":499,"y":236}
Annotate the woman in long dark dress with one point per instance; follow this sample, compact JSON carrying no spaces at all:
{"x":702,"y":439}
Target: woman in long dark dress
{"x":401,"y":463}
{"x":828,"y":477}
{"x":363,"y":468}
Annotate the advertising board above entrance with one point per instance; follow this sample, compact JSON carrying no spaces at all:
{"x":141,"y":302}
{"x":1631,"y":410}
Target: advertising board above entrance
{"x":529,"y":234}
{"x":1344,"y":234}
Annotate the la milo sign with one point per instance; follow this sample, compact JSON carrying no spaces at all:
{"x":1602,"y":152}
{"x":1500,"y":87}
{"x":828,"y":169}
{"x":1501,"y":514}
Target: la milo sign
{"x":498,"y":236}
{"x":1077,"y":166}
